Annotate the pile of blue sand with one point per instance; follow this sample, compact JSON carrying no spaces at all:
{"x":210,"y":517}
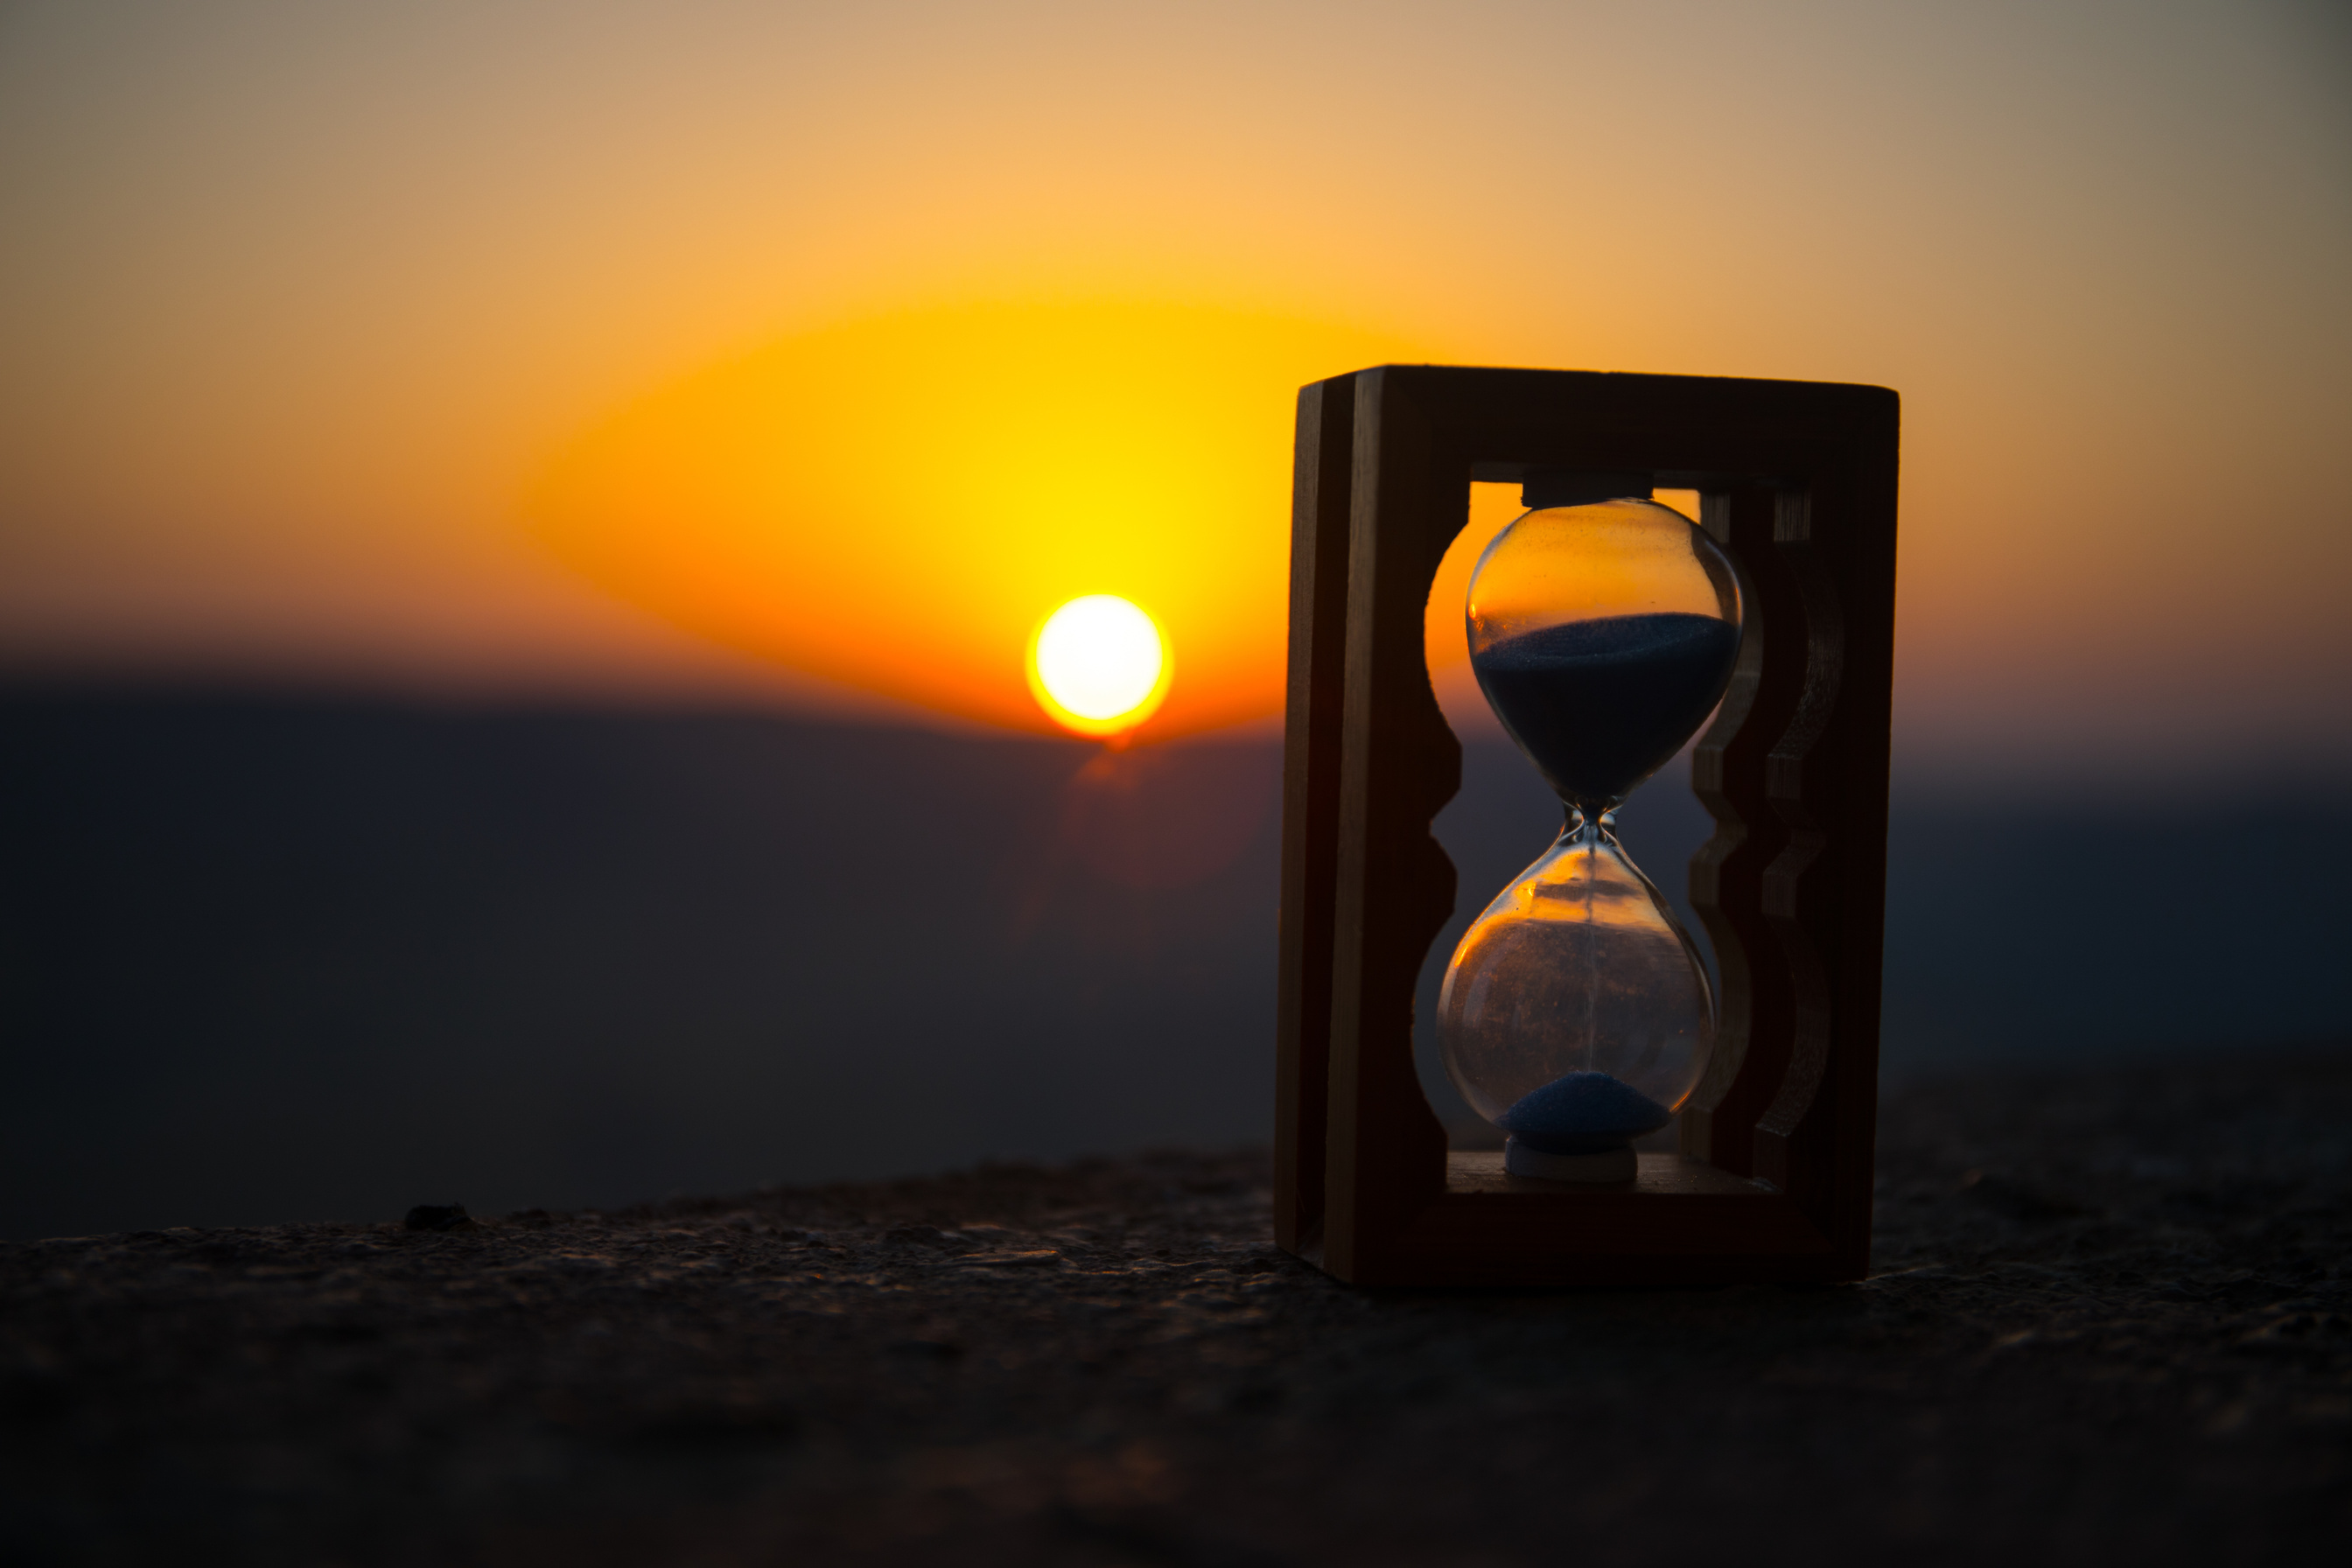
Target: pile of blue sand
{"x":1582,"y":1113}
{"x":1600,"y":705}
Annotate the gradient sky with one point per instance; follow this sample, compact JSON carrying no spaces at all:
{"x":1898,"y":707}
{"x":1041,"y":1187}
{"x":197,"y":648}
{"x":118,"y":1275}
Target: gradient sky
{"x":328,"y":327}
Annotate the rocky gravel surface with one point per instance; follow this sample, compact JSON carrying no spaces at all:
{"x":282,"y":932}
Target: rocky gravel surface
{"x":2112,"y":1322}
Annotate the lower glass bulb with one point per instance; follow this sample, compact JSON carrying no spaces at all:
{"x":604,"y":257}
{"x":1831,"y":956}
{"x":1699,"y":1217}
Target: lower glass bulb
{"x":1576,"y":1015}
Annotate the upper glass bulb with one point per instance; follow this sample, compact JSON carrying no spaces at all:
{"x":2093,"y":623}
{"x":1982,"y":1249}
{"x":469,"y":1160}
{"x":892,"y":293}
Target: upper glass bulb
{"x":1602,"y":635}
{"x":1576,"y":1015}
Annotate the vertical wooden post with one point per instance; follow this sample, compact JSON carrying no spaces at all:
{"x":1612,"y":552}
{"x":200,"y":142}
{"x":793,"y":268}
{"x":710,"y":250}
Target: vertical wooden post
{"x":1726,"y":875}
{"x":1310,"y":793}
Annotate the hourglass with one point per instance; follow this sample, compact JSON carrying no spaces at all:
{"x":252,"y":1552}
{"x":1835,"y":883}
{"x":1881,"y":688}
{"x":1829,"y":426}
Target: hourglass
{"x":1576,"y":1015}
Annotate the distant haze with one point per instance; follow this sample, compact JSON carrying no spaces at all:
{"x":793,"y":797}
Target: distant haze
{"x":268,"y":958}
{"x":312,"y":314}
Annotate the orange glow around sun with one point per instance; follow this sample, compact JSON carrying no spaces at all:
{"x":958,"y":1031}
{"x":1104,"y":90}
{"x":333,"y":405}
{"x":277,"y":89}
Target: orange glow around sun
{"x":896,"y":503}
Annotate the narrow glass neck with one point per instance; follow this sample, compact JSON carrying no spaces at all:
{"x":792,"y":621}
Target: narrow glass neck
{"x":1582,"y":829}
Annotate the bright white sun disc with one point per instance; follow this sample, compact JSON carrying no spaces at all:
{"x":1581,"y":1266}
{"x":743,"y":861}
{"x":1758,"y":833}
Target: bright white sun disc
{"x":1099,"y":658}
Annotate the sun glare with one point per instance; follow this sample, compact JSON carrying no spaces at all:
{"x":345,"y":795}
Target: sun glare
{"x":1098,"y":665}
{"x":892,"y":502}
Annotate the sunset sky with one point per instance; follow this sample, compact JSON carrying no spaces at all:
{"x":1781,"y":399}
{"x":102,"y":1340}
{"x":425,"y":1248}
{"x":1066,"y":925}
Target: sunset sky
{"x":812,"y":353}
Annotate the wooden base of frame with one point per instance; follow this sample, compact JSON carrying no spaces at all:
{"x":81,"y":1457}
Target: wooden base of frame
{"x":1773,"y":1181}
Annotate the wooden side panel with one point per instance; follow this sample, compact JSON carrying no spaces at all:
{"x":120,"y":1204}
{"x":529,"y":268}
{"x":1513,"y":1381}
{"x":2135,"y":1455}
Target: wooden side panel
{"x":1826,"y":895}
{"x":1398,"y":764}
{"x":1311,"y":796}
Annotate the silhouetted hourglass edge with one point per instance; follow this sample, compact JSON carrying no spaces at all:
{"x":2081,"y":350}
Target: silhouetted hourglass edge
{"x":1576,"y":1014}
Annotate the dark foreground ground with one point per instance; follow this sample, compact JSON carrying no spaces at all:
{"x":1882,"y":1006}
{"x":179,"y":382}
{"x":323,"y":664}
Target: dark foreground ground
{"x":2112,"y":1323}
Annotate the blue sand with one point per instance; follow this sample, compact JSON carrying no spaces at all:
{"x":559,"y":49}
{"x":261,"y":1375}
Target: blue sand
{"x":1601,"y":705}
{"x":1582,"y":1113}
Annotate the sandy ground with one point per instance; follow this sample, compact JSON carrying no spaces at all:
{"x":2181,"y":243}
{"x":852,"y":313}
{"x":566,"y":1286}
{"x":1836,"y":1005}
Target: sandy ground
{"x":2112,"y":1322}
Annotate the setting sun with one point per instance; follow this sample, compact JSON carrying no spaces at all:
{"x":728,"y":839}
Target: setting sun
{"x":1098,"y":665}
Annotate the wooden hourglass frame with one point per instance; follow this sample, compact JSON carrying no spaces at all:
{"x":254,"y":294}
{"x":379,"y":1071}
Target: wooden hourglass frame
{"x":1797,"y":482}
